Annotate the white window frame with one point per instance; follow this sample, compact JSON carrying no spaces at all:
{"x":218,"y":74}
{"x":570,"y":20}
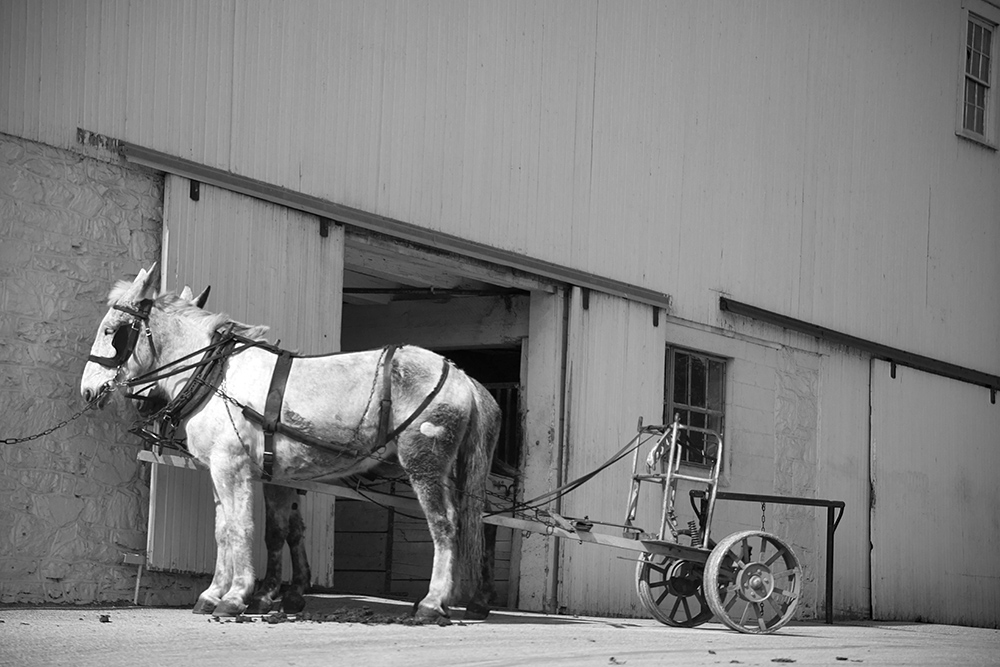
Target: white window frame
{"x":988,"y":13}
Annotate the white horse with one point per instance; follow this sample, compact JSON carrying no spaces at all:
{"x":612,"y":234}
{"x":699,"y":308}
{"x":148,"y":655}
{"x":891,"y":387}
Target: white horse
{"x":339,"y":415}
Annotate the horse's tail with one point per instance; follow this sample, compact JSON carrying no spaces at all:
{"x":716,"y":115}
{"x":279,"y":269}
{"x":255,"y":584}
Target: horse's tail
{"x":475,"y":457}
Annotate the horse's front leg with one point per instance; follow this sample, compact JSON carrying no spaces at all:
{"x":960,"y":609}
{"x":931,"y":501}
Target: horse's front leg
{"x":233,"y":486}
{"x":223,"y":578}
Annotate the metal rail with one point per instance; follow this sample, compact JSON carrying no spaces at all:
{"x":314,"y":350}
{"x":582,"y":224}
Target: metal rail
{"x":831,"y":524}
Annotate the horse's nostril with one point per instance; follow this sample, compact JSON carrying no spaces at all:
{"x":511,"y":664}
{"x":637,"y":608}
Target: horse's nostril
{"x":88,"y":395}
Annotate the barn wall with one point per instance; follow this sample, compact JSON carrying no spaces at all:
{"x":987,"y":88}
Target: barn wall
{"x":71,"y":503}
{"x":775,"y":430}
{"x":800,"y":156}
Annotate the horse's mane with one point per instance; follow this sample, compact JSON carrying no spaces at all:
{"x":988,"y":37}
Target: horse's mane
{"x":172,"y":304}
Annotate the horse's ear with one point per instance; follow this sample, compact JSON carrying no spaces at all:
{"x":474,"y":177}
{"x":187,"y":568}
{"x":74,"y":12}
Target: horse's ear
{"x":146,"y":282}
{"x":186,"y":294}
{"x":203,"y":297}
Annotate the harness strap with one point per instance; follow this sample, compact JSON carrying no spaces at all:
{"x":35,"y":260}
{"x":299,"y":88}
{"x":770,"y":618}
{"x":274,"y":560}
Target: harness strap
{"x":385,"y":413}
{"x":198,"y":388}
{"x":272,"y":410}
{"x":445,"y":366}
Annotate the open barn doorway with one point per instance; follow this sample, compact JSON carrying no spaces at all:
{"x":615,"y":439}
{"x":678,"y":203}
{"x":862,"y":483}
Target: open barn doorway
{"x":476,"y":315}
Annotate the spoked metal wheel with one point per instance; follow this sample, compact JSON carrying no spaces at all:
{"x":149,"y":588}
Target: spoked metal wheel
{"x":670,"y":589}
{"x":757,"y":582}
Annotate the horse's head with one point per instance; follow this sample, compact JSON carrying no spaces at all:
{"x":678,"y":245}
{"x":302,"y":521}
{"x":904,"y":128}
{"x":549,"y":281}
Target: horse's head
{"x":123,"y":347}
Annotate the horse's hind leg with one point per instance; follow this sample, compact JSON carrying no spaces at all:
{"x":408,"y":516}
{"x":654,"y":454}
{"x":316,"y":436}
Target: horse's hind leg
{"x":277,"y":503}
{"x":292,"y":601}
{"x":479,"y":607}
{"x":283,"y":523}
{"x":435,"y":500}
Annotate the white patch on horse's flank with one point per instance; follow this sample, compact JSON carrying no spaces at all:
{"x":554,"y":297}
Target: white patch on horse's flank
{"x":431,"y":430}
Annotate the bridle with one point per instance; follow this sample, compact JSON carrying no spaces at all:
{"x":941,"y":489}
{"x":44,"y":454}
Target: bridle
{"x":126,"y":336}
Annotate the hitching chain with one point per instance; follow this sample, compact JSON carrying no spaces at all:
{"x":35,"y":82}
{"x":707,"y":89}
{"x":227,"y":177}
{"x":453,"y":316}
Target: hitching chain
{"x":49,"y":431}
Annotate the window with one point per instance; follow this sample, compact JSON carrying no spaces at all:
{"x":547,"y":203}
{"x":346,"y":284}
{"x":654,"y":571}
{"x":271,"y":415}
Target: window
{"x":696,"y":392}
{"x":977,"y":114}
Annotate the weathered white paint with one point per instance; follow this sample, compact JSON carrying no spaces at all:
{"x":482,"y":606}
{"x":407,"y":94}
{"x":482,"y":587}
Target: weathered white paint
{"x":757,"y":149}
{"x":935,"y":530}
{"x":542,"y":392}
{"x":613,"y":380}
{"x":266,"y":265}
{"x":181,"y":536}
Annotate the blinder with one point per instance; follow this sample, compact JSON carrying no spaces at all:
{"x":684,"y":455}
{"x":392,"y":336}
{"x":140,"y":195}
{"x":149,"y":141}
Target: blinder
{"x":127,"y":336}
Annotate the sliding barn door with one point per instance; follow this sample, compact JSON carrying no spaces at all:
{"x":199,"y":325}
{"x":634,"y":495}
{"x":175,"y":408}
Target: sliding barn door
{"x":266,"y":265}
{"x":934,"y":461}
{"x":614,"y":376}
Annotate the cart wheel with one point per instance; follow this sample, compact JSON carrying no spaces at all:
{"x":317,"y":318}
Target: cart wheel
{"x":671,"y":590}
{"x":757,"y":580}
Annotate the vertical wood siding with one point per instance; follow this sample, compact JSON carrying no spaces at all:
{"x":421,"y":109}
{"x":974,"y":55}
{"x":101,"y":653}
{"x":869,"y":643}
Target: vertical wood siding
{"x":615,"y":379}
{"x":934,"y":516}
{"x":181,"y":535}
{"x":266,"y":265}
{"x":798,"y":155}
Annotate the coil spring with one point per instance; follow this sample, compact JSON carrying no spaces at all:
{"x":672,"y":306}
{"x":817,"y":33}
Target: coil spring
{"x":695,"y":531}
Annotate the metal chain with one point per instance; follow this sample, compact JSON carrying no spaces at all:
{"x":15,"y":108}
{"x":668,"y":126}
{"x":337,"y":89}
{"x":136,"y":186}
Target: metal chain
{"x":763,"y":516}
{"x":49,"y":431}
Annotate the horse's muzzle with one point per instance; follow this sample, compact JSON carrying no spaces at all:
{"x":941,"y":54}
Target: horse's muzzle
{"x":99,"y":397}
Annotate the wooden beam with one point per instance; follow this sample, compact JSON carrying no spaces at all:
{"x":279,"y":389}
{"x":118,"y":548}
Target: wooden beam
{"x":458,"y":323}
{"x":409,"y":505}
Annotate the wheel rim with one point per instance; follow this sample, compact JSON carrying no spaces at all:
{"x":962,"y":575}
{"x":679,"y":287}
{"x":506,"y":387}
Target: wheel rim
{"x":758,"y":582}
{"x":671,"y":590}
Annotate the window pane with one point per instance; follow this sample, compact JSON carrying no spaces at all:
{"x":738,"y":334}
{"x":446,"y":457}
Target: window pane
{"x":698,"y":420}
{"x":696,"y":445}
{"x":715,"y":423}
{"x":980,"y":122}
{"x":968,"y":34}
{"x":699,"y":378}
{"x":985,"y":74}
{"x":975,"y":63}
{"x":715,"y":380}
{"x":681,"y":378}
{"x":977,"y":37}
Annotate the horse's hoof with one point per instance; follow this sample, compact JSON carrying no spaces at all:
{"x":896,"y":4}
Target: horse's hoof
{"x":427,"y":612}
{"x":476,"y":612}
{"x":292,"y":603}
{"x":260,"y":605}
{"x":203,"y":606}
{"x":229,"y":608}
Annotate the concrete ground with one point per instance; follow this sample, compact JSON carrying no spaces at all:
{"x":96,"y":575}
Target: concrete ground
{"x":128,"y":636}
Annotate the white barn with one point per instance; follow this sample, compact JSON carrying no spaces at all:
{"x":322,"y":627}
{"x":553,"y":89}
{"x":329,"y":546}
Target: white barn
{"x":604,"y":176}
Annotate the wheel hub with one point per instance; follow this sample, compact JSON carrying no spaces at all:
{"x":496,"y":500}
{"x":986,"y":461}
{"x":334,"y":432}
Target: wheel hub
{"x":684,"y":578}
{"x":756,"y":582}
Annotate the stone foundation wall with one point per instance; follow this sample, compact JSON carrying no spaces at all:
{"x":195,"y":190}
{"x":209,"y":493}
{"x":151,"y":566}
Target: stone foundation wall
{"x":71,"y":502}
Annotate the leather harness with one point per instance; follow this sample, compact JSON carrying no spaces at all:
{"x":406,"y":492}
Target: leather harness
{"x":208,"y":377}
{"x":271,"y":422}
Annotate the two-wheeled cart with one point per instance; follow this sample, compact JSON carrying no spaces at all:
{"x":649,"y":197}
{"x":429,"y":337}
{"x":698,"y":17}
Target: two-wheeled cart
{"x":750,"y":580}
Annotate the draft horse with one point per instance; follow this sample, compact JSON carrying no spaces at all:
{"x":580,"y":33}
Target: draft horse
{"x":339,"y":415}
